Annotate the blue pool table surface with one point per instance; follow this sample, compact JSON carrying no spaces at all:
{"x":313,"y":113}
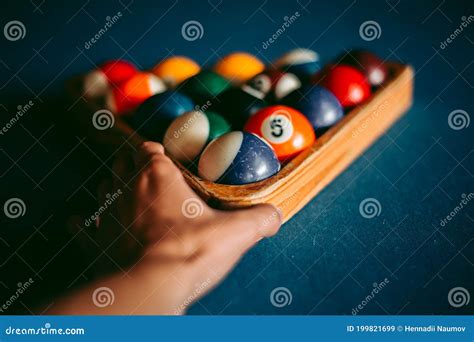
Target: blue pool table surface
{"x":327,"y":256}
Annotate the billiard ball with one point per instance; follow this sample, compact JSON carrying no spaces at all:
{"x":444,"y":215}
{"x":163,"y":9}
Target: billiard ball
{"x":318,"y":104}
{"x":284,"y":128}
{"x":239,"y":67}
{"x":154,"y":115}
{"x":189,"y":133}
{"x":301,"y":62}
{"x":237,"y":158}
{"x":204,"y":86}
{"x":348,"y":84}
{"x":110,"y":73}
{"x":237,"y":105}
{"x":273,"y":85}
{"x":129,"y":94}
{"x":369,"y":64}
{"x":176,"y":69}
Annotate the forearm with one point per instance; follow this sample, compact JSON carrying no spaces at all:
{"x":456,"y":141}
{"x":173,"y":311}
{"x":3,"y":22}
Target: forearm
{"x":149,"y":289}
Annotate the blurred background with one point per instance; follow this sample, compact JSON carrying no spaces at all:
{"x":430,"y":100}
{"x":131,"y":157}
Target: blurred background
{"x":328,"y":258}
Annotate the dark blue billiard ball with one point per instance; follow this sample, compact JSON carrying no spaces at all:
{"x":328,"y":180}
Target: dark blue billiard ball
{"x":318,"y":104}
{"x":237,"y":105}
{"x":155,"y":114}
{"x":238,"y":158}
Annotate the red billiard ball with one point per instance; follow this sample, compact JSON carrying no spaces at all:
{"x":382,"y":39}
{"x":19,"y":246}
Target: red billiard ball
{"x":110,"y":73}
{"x":348,"y":84}
{"x":368,"y":63}
{"x":128,"y":95}
{"x":284,"y":128}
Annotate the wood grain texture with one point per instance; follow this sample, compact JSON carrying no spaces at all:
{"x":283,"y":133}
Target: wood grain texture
{"x":303,"y":177}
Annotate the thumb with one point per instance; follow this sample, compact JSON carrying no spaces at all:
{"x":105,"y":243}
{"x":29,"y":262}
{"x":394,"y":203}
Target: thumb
{"x":236,"y":232}
{"x":265,"y":219}
{"x":245,"y":227}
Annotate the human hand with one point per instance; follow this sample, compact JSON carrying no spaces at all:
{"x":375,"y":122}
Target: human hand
{"x":166,"y":237}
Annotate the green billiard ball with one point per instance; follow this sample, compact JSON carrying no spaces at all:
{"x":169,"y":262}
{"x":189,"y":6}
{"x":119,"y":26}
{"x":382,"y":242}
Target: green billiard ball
{"x":204,"y":86}
{"x":217,"y":125}
{"x":189,"y":133}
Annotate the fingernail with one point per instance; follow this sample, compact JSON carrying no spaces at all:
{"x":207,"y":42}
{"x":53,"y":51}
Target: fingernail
{"x":280,"y":214}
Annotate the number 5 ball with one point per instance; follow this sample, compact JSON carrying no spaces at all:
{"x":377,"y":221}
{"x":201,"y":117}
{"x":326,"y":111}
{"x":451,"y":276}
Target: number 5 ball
{"x":284,"y":128}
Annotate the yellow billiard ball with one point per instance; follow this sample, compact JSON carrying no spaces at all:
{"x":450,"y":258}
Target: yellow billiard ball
{"x":176,"y":69}
{"x":239,"y":67}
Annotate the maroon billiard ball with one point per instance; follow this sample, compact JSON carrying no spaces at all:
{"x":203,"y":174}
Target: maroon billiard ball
{"x":369,"y":64}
